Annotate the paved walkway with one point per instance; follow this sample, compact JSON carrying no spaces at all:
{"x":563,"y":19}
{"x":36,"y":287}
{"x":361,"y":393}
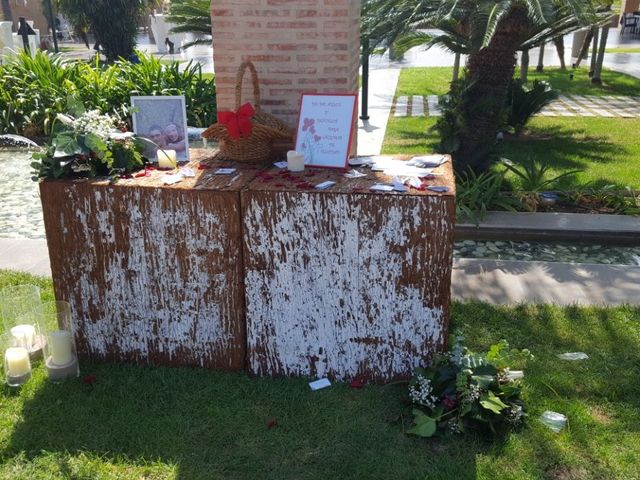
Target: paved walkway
{"x":493,"y":281}
{"x":564,"y":106}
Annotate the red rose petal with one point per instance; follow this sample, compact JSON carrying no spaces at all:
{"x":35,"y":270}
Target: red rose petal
{"x":357,"y":382}
{"x":272,"y":424}
{"x":89,"y":379}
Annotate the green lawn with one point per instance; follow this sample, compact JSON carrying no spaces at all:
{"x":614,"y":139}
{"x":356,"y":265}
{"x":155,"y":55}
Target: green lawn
{"x":607,"y":149}
{"x":165,"y":423}
{"x":622,"y":50}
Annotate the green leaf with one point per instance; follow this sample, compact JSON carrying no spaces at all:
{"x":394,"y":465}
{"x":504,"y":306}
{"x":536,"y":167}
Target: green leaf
{"x":493,"y":403}
{"x":425,"y":426}
{"x":483,"y":381}
{"x":66,"y":145}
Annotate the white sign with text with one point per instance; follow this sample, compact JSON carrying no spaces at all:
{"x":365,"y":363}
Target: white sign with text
{"x":325,"y":129}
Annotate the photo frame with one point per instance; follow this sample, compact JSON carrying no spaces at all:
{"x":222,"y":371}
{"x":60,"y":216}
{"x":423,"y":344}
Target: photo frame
{"x":325,"y":128}
{"x":163,"y":120}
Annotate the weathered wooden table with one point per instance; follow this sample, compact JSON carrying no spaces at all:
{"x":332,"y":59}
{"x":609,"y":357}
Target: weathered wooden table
{"x":345,"y":282}
{"x":153,"y":273}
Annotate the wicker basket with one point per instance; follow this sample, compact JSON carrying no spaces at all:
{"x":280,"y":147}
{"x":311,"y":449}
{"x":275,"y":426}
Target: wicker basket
{"x":258,"y":146}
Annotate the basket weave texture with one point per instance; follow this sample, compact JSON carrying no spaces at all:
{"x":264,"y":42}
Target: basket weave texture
{"x":258,"y":146}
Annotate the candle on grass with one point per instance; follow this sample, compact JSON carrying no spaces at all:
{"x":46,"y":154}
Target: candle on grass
{"x":17,"y":365}
{"x":24,"y":334}
{"x":60,"y":347}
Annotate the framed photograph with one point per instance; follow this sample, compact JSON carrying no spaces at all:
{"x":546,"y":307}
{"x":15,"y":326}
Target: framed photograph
{"x":163,"y":120}
{"x":326,"y":128}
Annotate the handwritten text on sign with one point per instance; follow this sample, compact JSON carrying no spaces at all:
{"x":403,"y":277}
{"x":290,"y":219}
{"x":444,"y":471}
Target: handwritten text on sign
{"x":325,"y":129}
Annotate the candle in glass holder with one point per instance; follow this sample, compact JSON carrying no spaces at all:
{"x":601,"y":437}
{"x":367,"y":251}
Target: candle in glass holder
{"x":24,"y":334}
{"x":60,"y":347}
{"x":167,"y":159}
{"x":17,"y":365}
{"x":295,"y":161}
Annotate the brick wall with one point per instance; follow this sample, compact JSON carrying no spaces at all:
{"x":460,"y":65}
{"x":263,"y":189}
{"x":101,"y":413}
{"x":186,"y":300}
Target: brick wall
{"x":296,"y":46}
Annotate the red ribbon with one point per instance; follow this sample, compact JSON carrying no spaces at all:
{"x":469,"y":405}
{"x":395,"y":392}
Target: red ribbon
{"x":238,"y":123}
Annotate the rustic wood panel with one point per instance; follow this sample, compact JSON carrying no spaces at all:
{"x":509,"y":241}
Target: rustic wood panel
{"x":154,"y":274}
{"x":345,"y":283}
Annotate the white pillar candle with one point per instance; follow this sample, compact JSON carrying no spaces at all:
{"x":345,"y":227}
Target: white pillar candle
{"x":17,"y":362}
{"x":24,"y":334}
{"x":167,"y":159}
{"x":60,"y":347}
{"x":295,"y":161}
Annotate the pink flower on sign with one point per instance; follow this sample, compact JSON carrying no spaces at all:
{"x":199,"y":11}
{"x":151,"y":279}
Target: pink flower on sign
{"x":307,"y":123}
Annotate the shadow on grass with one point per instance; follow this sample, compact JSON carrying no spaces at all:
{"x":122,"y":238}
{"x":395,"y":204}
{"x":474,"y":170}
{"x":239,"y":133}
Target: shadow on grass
{"x":209,"y":425}
{"x":564,"y":149}
{"x":600,"y":396}
{"x":214,"y":425}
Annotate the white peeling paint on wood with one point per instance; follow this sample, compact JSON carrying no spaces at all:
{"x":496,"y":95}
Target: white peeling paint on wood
{"x":143,"y":282}
{"x":340,"y":285}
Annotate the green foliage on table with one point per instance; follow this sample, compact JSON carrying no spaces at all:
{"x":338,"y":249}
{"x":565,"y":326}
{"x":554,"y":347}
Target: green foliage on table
{"x":462,"y":390}
{"x":89,"y":145}
{"x":34,"y":90}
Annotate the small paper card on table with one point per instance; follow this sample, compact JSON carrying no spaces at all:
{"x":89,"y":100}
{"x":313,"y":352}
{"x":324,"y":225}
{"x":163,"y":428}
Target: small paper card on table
{"x":325,"y":129}
{"x":224,"y":171}
{"x":280,"y":164}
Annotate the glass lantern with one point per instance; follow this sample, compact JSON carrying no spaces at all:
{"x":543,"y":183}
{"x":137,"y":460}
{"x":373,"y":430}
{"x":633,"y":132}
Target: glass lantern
{"x":61,"y":359}
{"x":20,"y":311}
{"x":16,"y":362}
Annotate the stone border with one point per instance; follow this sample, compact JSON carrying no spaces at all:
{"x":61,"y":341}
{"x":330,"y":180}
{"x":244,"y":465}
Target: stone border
{"x":619,"y":229}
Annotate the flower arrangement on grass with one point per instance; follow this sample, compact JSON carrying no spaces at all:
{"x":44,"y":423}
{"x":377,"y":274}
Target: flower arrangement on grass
{"x":462,"y":390}
{"x":89,"y":144}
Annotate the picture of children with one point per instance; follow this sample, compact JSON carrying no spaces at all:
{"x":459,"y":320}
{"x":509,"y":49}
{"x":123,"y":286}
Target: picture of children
{"x":163,"y":120}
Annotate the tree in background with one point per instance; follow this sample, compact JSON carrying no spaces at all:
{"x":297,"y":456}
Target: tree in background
{"x":192,"y":16}
{"x":113,"y":22}
{"x":490,"y":32}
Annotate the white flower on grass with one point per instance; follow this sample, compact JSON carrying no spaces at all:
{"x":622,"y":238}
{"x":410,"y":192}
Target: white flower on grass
{"x":515,"y":414}
{"x":422,"y":392}
{"x":471,"y":394}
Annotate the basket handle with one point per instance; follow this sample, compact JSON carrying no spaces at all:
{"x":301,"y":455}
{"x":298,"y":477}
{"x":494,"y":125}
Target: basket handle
{"x":254,"y":79}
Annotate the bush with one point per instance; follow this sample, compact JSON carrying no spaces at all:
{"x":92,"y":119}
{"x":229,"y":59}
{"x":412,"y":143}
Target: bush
{"x":453,"y":126}
{"x":477,"y":194}
{"x":34,"y":90}
{"x":524,"y":102}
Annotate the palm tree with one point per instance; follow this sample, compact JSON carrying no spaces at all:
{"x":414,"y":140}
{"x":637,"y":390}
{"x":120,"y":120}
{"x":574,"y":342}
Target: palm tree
{"x":490,"y":32}
{"x":113,"y":22}
{"x":192,"y":16}
{"x":6,"y":10}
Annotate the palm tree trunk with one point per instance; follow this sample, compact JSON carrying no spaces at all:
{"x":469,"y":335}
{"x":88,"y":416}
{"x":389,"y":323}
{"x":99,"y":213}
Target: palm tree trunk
{"x":456,"y":67}
{"x":524,"y":66}
{"x":6,"y":11}
{"x":559,"y":43}
{"x":603,"y":43}
{"x":594,"y":52}
{"x":490,"y":73}
{"x":540,"y":66}
{"x":584,"y":50}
